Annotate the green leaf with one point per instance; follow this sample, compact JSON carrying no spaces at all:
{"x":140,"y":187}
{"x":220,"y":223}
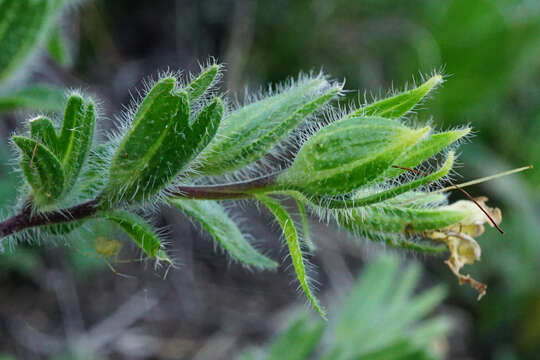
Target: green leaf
{"x":42,"y":130}
{"x":400,"y":216}
{"x":57,"y":47}
{"x":305,"y":226}
{"x":139,"y":231}
{"x":291,"y":235}
{"x":250,"y":132}
{"x":73,"y":112}
{"x":363,"y":198}
{"x":42,"y":170}
{"x":160,"y":144}
{"x":24,"y":25}
{"x":348,"y":154}
{"x":37,"y":97}
{"x":215,"y":220}
{"x":398,"y":105}
{"x":403,"y":242}
{"x":198,"y":86}
{"x":424,"y":150}
{"x":206,"y":126}
{"x":75,"y":141}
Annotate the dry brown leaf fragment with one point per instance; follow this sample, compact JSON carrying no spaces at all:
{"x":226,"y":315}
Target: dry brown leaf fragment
{"x":459,"y":238}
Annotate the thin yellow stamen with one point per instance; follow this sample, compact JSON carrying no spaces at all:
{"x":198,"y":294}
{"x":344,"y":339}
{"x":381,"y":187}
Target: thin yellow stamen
{"x":484,"y":179}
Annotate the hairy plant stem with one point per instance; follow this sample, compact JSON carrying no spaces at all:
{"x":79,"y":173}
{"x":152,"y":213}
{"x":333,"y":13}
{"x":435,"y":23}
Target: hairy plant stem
{"x":27,"y":219}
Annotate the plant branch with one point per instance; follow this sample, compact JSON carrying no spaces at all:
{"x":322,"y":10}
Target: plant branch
{"x":225,"y":191}
{"x":26,"y":219}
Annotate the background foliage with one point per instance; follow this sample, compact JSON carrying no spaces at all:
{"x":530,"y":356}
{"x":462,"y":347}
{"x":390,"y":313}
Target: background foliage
{"x":490,"y":51}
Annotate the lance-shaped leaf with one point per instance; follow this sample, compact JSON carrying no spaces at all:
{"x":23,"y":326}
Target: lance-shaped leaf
{"x":37,"y":97}
{"x":215,"y":220}
{"x":76,"y":137}
{"x":139,"y":231}
{"x":24,"y":25}
{"x":42,"y":170}
{"x":424,"y":150}
{"x":42,"y":130}
{"x":348,"y":154}
{"x":293,"y":243}
{"x":201,"y":83}
{"x":72,"y":114}
{"x":403,"y":214}
{"x":160,"y":144}
{"x":250,"y":132}
{"x":398,"y":105}
{"x":305,"y":225}
{"x":368,"y":196}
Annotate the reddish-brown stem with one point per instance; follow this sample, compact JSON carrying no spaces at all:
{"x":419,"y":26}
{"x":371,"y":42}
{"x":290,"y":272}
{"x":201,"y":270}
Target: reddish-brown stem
{"x":26,"y":219}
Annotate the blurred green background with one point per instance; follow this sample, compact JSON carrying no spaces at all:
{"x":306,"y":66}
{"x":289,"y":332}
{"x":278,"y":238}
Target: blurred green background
{"x":490,"y":54}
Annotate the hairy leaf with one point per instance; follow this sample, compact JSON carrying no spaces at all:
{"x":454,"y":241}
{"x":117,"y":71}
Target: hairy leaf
{"x":75,"y":142}
{"x":24,"y":25}
{"x":42,"y":130}
{"x":424,"y":150}
{"x":398,"y":105}
{"x":36,"y":97}
{"x":348,"y":154}
{"x":305,"y":226}
{"x":73,"y":112}
{"x":291,"y":235}
{"x":42,"y":169}
{"x":367,"y":197}
{"x":215,"y":220}
{"x":250,"y":132}
{"x":139,"y":231}
{"x":160,"y":144}
{"x":198,"y":86}
{"x":400,"y":216}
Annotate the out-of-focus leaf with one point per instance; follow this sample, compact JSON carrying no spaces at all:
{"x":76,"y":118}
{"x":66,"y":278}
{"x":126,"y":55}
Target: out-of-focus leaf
{"x":381,"y":319}
{"x":381,"y":313}
{"x":57,"y":47}
{"x":37,"y":97}
{"x":24,"y":25}
{"x":298,"y":341}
